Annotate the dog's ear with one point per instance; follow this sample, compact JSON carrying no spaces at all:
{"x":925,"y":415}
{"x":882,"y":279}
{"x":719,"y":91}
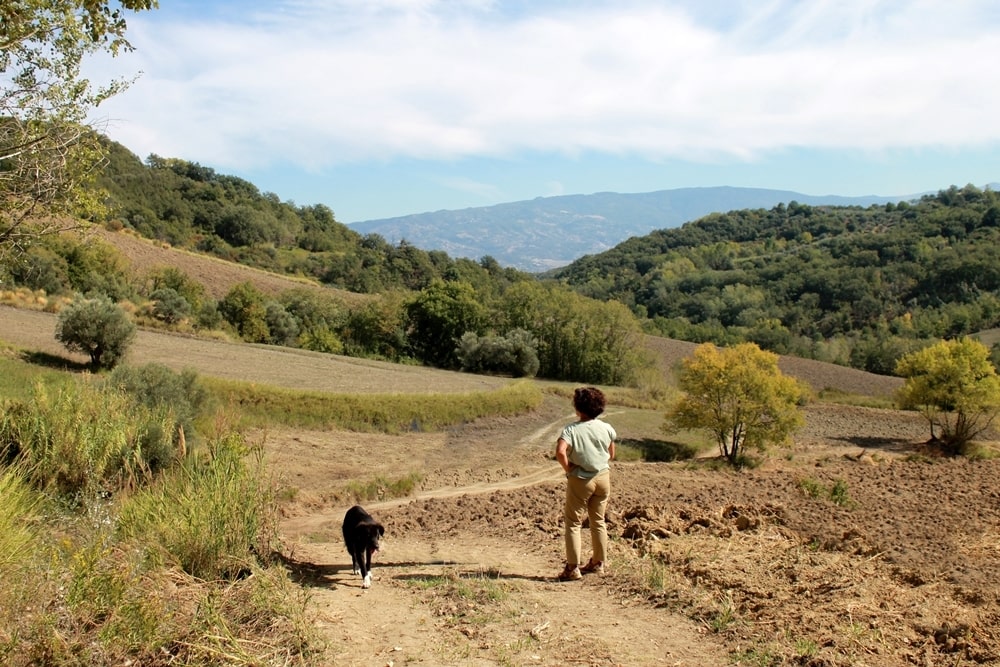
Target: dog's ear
{"x":381,"y":530}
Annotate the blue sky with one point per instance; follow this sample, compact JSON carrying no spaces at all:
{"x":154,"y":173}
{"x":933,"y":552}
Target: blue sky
{"x":380,"y":108}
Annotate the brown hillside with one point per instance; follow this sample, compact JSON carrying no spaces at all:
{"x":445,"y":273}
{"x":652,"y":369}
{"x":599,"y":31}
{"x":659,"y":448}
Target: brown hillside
{"x":217,"y":275}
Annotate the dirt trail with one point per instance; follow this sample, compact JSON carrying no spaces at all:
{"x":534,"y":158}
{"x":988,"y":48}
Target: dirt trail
{"x":413,"y":616}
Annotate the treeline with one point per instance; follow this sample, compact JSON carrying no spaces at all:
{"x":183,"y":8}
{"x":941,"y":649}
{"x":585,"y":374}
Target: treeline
{"x":526,"y":329}
{"x":850,"y":285}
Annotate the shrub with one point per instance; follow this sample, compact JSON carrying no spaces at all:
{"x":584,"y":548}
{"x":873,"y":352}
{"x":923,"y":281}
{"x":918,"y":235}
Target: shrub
{"x":161,"y":389}
{"x":169,"y":306}
{"x":244,"y":307}
{"x":208,"y":315}
{"x":515,"y":354}
{"x":281,"y":325}
{"x":96,"y":327}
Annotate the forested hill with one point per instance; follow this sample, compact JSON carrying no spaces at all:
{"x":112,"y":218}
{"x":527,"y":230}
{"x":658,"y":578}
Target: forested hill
{"x":845,"y":284}
{"x":194,"y":207}
{"x":853,"y":285}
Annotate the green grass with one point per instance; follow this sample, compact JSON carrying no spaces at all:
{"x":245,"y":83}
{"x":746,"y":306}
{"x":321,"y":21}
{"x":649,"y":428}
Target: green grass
{"x":837,"y":493}
{"x":19,"y":376}
{"x":475,"y":598}
{"x":375,"y":413}
{"x":857,"y":400}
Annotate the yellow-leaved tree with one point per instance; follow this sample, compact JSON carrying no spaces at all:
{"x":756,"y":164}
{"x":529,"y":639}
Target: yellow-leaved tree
{"x":740,"y":396}
{"x":956,"y":388}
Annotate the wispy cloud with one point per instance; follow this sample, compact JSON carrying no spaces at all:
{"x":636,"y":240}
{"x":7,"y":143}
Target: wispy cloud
{"x":323,"y":83}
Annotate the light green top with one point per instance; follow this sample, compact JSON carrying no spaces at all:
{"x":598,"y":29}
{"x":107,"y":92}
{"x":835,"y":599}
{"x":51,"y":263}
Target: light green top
{"x":589,"y":446}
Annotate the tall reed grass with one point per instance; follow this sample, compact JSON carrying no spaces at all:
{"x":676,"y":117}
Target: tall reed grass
{"x":19,"y":520}
{"x":131,"y":565}
{"x":213,"y":517}
{"x":77,"y":440}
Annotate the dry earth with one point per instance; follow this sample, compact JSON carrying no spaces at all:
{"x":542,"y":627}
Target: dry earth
{"x":854,"y":547}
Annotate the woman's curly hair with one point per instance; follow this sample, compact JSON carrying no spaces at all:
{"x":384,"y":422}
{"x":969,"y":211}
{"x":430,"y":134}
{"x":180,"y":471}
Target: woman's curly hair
{"x":589,"y":401}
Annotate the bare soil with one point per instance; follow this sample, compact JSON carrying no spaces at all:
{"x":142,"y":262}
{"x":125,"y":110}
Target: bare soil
{"x":856,"y":546}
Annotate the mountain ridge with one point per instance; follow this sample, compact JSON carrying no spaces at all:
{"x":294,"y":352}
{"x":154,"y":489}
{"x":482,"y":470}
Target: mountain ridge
{"x":544,"y":233}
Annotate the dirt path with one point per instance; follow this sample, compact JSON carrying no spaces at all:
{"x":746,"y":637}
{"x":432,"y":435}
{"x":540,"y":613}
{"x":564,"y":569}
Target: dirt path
{"x":471,"y":599}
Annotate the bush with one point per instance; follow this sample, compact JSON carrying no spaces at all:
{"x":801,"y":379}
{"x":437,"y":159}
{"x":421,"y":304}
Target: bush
{"x":245,"y":308}
{"x":98,"y":328}
{"x":515,"y":354}
{"x":169,"y":306}
{"x":161,"y":389}
{"x":281,"y":325}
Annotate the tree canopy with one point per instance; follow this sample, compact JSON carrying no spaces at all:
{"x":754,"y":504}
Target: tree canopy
{"x":48,"y":154}
{"x":955,"y":387}
{"x":739,"y":395}
{"x":850,"y":285}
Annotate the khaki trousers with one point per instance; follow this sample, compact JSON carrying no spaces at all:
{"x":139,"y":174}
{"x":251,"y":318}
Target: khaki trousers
{"x":586,"y":497}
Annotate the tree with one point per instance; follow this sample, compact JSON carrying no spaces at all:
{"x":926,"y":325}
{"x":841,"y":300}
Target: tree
{"x":245,"y":307}
{"x":169,"y":306}
{"x":955,"y":386}
{"x":576,"y":338}
{"x":513,"y":354}
{"x":97,"y":327}
{"x":439,"y":316}
{"x":740,"y":396}
{"x":48,"y":153}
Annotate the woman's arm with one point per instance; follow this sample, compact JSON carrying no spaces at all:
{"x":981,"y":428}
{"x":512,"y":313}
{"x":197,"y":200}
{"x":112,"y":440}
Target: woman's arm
{"x":562,"y":454}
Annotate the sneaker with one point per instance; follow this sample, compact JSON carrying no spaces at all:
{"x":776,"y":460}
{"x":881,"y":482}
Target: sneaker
{"x":570,"y":573}
{"x":593,"y":568}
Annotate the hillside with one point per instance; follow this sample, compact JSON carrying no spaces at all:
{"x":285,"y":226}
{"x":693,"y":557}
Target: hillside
{"x":728,"y":562}
{"x":548,"y":232}
{"x":858,"y":286}
{"x":219,"y":276}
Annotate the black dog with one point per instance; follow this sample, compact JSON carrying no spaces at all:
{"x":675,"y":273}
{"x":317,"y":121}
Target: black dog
{"x":361,"y":535}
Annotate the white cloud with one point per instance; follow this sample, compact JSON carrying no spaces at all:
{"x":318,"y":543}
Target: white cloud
{"x":319,"y":83}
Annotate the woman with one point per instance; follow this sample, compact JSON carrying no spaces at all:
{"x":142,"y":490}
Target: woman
{"x":585,"y":450}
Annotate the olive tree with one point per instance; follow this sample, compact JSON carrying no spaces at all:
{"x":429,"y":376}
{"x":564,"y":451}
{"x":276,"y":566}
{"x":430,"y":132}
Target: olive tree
{"x":740,"y":396}
{"x":98,"y":328}
{"x":955,"y":386}
{"x":48,"y":153}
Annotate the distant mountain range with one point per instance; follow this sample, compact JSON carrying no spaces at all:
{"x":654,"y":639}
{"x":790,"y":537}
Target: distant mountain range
{"x":549,"y":232}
